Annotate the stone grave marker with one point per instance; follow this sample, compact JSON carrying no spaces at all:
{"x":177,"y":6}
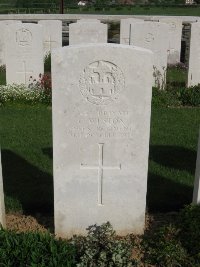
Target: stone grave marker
{"x":153,"y":36}
{"x":125,"y":29}
{"x":2,"y":205}
{"x":24,"y":53}
{"x":196,"y":193}
{"x":194,"y":56}
{"x":88,"y":31}
{"x":175,"y":33}
{"x":101,"y":124}
{"x":52,"y":34}
{"x":3,"y":24}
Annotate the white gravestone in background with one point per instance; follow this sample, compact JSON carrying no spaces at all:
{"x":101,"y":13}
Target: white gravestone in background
{"x":52,"y":34}
{"x":2,"y":205}
{"x":87,"y":31}
{"x":175,"y":33}
{"x":194,"y":56}
{"x":196,"y":193}
{"x":153,"y":36}
{"x":24,"y":53}
{"x":101,"y":123}
{"x":3,"y":24}
{"x":125,"y":29}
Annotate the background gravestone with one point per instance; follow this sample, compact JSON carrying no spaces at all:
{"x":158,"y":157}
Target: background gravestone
{"x":91,"y":31}
{"x":196,"y":193}
{"x":3,"y":25}
{"x":101,"y":123}
{"x":194,"y":56}
{"x":24,"y":53}
{"x":125,"y":29}
{"x":2,"y":206}
{"x":153,"y":36}
{"x":52,"y":34}
{"x":175,"y":33}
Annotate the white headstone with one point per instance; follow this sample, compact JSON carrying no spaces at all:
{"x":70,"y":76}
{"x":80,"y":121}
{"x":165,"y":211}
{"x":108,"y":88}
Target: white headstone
{"x":24,"y":53}
{"x":194,"y":56}
{"x":175,"y":34}
{"x":196,"y":193}
{"x":52,"y":34}
{"x":153,"y":36}
{"x":101,"y":121}
{"x":125,"y":29}
{"x":3,"y":24}
{"x":91,"y":31}
{"x":2,"y":205}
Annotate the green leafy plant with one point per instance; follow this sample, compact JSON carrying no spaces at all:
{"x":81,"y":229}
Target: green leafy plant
{"x":190,"y":229}
{"x":35,"y":249}
{"x":189,"y":96}
{"x":164,"y":98}
{"x":21,"y":93}
{"x":101,"y":247}
{"x":162,"y":248}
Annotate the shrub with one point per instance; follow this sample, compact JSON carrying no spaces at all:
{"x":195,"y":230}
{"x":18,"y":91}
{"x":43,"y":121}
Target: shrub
{"x":21,"y":93}
{"x":102,"y":248}
{"x":189,"y":96}
{"x":35,"y":249}
{"x":190,"y":229}
{"x":164,"y":98}
{"x":163,"y":248}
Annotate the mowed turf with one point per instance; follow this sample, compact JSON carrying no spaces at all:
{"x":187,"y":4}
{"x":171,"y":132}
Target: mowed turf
{"x":26,"y":143}
{"x":138,"y":10}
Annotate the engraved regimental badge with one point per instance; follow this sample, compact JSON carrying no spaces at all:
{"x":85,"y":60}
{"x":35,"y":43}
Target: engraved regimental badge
{"x":23,"y":37}
{"x":101,"y":82}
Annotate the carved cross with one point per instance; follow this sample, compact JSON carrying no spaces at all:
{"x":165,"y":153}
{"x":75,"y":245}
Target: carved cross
{"x":100,"y":167}
{"x":25,"y":72}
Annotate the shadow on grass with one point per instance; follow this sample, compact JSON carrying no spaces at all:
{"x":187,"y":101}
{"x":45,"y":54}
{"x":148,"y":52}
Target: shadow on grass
{"x":48,"y":151}
{"x":165,"y":195}
{"x":174,"y":157}
{"x":32,"y":187}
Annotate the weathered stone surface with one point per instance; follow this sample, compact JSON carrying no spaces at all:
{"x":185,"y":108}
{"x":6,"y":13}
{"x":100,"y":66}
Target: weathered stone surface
{"x":125,"y":29}
{"x":153,"y":36}
{"x":196,"y":193}
{"x":175,"y":33}
{"x":3,"y":24}
{"x":2,"y":205}
{"x":24,"y":53}
{"x":91,"y":31}
{"x":101,"y":124}
{"x":52,"y":34}
{"x":194,"y":56}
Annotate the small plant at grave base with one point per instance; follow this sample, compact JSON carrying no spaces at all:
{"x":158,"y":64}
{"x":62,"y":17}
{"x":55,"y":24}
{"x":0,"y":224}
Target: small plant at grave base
{"x":190,"y":230}
{"x":189,"y":96}
{"x":165,"y":98}
{"x":162,"y":248}
{"x":43,"y":84}
{"x":35,"y":249}
{"x":159,"y":79}
{"x":101,"y":247}
{"x":21,"y":93}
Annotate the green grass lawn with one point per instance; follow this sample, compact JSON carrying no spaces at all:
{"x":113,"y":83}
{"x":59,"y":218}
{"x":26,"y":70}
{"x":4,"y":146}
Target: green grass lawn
{"x":125,"y":10}
{"x":176,"y":77}
{"x":137,"y":10}
{"x":26,"y":143}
